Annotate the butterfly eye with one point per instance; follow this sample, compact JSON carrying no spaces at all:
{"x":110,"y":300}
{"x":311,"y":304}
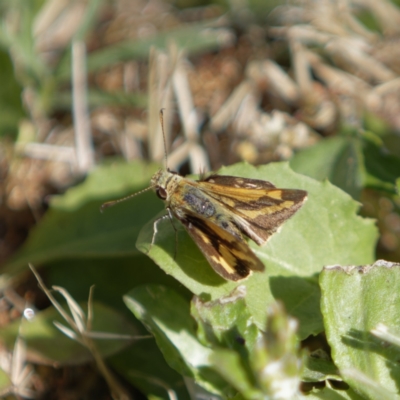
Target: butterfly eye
{"x":161,"y":193}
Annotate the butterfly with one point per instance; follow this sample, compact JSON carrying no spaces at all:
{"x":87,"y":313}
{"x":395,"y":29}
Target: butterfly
{"x":219,"y":211}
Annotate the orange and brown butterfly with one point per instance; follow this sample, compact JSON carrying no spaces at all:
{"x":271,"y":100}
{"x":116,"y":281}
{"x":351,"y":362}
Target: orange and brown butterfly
{"x":218,"y":211}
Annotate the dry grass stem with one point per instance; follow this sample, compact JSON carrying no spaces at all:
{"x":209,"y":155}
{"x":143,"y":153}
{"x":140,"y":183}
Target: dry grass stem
{"x":160,"y":96}
{"x":42,"y":151}
{"x":188,"y":116}
{"x":228,"y":111}
{"x":83,"y":136}
{"x":269,"y":73}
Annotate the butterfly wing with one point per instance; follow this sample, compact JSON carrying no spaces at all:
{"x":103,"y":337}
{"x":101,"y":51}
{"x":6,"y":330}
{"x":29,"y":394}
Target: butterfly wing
{"x":257,"y":207}
{"x":229,"y":256}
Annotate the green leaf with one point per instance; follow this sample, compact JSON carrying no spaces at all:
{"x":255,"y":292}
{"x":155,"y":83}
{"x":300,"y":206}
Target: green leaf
{"x":48,"y":345}
{"x":354,"y":300}
{"x":329,"y":393}
{"x":387,"y":334}
{"x":391,"y":142}
{"x":166,"y":315}
{"x":325,"y":231}
{"x":229,"y":365}
{"x":320,"y":369}
{"x":307,"y":311}
{"x":10,"y":98}
{"x":77,"y":275}
{"x":226,"y":322}
{"x":338,"y":159}
{"x":74,"y":226}
{"x":381,"y":167}
{"x":351,"y":163}
{"x":144,"y":366}
{"x":368,"y":387}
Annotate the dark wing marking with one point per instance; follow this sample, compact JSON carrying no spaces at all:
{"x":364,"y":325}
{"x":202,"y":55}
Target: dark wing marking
{"x":229,"y":256}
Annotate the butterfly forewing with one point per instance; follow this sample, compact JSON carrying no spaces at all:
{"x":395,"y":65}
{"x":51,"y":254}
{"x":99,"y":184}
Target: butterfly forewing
{"x":257,"y":207}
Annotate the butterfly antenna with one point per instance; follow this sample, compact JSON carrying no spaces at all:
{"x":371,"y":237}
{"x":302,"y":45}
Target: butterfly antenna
{"x":113,"y":202}
{"x":163,"y":135}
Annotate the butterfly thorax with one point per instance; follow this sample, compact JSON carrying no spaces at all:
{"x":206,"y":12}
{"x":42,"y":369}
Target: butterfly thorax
{"x":182,"y":196}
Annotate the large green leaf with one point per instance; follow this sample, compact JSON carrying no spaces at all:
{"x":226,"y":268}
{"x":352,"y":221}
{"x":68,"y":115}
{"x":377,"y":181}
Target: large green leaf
{"x":354,"y":301}
{"x":325,"y":231}
{"x":166,"y":315}
{"x":74,"y":226}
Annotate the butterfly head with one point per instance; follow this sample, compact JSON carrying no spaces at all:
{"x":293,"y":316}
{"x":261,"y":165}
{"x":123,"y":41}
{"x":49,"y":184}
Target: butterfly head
{"x":164,"y":183}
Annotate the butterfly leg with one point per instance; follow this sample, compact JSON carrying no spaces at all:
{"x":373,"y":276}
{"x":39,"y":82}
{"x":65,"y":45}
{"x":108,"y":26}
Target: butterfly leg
{"x":155,"y":230}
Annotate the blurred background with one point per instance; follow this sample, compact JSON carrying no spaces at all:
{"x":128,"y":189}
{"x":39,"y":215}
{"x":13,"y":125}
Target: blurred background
{"x":314,"y":83}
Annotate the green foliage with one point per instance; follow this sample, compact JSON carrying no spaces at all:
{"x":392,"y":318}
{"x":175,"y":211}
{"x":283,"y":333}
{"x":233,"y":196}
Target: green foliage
{"x":325,"y":231}
{"x":223,"y":342}
{"x":10,"y":98}
{"x":166,"y":315}
{"x":144,"y":366}
{"x":238,"y":357}
{"x":354,"y":301}
{"x":74,"y":226}
{"x":211,"y":338}
{"x":351,"y":162}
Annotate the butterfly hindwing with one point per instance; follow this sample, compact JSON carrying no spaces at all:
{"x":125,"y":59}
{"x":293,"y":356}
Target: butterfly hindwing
{"x":231,"y":258}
